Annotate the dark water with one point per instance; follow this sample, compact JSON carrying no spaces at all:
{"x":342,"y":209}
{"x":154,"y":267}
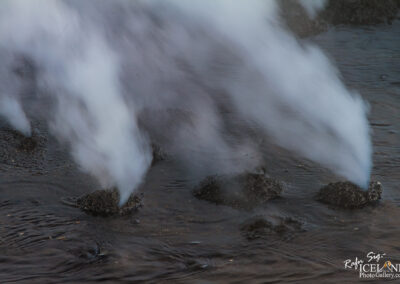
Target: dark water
{"x":176,"y":238}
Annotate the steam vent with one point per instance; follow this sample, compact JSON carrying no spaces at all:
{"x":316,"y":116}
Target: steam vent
{"x":105,"y":203}
{"x":349,"y":196}
{"x":242,"y":191}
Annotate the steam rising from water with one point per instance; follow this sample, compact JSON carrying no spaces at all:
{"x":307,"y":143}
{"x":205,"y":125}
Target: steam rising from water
{"x":197,"y":77}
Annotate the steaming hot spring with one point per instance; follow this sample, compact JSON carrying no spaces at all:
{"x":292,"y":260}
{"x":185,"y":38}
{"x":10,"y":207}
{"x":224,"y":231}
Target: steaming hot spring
{"x":209,"y":82}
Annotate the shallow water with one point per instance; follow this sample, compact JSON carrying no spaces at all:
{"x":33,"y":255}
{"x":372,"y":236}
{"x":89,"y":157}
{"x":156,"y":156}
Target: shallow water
{"x":178,"y":239}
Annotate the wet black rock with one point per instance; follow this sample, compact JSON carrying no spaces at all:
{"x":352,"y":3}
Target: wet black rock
{"x":259,"y":227}
{"x":350,"y":196}
{"x":105,"y":203}
{"x":241,"y":191}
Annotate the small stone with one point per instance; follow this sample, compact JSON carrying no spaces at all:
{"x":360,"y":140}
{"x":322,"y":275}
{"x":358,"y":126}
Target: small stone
{"x":348,"y":195}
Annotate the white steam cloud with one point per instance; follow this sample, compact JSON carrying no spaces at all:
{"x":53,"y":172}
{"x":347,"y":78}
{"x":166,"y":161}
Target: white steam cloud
{"x":196,"y":77}
{"x":10,"y":107}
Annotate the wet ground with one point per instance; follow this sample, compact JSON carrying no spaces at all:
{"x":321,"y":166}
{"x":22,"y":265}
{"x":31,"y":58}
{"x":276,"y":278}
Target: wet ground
{"x":177,"y":238}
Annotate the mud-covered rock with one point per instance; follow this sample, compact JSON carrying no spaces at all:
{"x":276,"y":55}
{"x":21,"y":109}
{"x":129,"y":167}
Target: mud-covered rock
{"x":259,"y":227}
{"x":262,"y":188}
{"x":27,"y":144}
{"x":241,"y":191}
{"x":350,"y":196}
{"x":210,"y":189}
{"x":106,"y":203}
{"x":22,"y":151}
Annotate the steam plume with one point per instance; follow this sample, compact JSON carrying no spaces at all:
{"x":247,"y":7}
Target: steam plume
{"x":197,"y":77}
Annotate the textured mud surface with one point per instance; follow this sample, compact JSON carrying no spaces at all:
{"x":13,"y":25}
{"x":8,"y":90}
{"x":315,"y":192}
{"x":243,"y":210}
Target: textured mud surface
{"x":242,"y":191}
{"x":19,"y":151}
{"x":106,"y":203}
{"x":348,"y":195}
{"x":259,"y":227}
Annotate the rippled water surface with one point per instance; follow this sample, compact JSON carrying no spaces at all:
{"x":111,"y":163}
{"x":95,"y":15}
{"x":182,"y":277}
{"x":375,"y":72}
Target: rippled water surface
{"x":176,"y":238}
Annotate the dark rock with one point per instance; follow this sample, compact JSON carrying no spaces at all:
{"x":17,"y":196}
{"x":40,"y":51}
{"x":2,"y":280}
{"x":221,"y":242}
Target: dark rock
{"x":106,"y":203}
{"x":21,"y":151}
{"x":375,"y":191}
{"x":258,"y":227}
{"x":210,"y":189}
{"x":27,"y":144}
{"x":242,"y":191}
{"x":262,"y":188}
{"x":350,"y":196}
